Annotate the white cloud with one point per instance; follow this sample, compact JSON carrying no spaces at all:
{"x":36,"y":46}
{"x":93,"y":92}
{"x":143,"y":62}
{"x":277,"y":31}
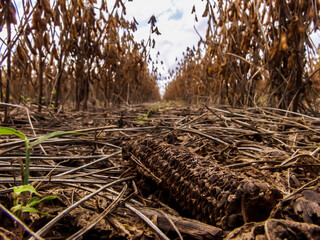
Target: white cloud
{"x":142,"y":10}
{"x":174,"y":21}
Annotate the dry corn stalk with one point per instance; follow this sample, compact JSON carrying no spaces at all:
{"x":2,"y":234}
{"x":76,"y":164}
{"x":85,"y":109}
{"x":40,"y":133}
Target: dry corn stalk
{"x":276,"y":229}
{"x":301,"y":207}
{"x":208,"y":191}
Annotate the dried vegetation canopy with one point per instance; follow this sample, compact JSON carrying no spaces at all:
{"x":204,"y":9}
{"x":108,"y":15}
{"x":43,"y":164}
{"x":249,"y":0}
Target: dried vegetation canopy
{"x":254,"y":53}
{"x":79,"y":52}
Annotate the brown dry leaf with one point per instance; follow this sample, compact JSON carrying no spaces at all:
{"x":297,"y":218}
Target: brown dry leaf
{"x":47,"y":8}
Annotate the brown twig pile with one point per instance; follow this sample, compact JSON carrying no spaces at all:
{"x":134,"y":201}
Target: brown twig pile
{"x":227,"y":167}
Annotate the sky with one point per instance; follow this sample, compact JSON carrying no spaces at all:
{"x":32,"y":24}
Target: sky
{"x":175,"y":23}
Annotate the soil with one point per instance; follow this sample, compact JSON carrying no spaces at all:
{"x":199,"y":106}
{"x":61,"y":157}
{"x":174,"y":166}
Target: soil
{"x":226,"y":173}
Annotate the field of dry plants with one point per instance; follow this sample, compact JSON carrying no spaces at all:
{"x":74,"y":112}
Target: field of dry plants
{"x":153,"y":171}
{"x":231,"y":152}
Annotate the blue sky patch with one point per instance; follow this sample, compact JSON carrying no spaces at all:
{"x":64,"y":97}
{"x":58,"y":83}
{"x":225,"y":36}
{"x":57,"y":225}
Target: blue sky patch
{"x":177,"y":15}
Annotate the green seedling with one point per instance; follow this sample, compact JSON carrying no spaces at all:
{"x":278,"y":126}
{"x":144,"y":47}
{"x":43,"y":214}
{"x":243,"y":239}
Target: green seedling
{"x":155,"y":108}
{"x":148,"y":113}
{"x":169,"y":104}
{"x":145,"y":118}
{"x":20,"y":205}
{"x":141,"y":119}
{"x":29,"y":146}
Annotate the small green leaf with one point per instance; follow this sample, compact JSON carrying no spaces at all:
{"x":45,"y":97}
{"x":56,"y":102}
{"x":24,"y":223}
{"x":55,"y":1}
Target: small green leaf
{"x":16,"y":208}
{"x":141,"y":119}
{"x":148,"y":113}
{"x":48,"y":198}
{"x":6,"y":130}
{"x":51,"y":135}
{"x":33,"y":210}
{"x":25,"y":188}
{"x":35,"y":201}
{"x":29,"y":209}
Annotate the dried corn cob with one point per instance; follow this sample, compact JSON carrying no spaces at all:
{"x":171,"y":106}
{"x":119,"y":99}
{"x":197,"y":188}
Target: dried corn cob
{"x":210,"y":192}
